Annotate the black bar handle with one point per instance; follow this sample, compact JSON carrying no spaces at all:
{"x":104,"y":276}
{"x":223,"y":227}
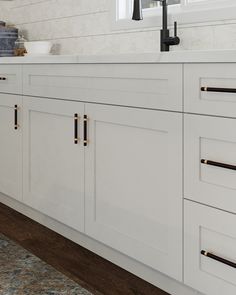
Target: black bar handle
{"x":215,"y":89}
{"x":218,"y":258}
{"x":175,"y":29}
{"x":76,"y":138}
{"x":218,"y":164}
{"x":85,"y":130}
{"x":16,"y":117}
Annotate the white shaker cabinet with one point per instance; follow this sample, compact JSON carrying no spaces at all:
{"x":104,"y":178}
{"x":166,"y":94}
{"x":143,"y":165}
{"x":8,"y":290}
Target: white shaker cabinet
{"x":11,"y":145}
{"x":53,"y":160}
{"x":133,"y":193}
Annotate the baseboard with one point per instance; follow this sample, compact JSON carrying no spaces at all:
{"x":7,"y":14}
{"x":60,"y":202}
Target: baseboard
{"x":154,"y":277}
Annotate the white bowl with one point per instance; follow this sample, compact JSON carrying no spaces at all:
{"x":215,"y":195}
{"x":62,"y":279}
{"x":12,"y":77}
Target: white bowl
{"x":38,"y":47}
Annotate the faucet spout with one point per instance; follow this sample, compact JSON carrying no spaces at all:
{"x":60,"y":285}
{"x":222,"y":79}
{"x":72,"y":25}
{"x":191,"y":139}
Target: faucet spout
{"x":137,"y":11}
{"x":164,"y":14}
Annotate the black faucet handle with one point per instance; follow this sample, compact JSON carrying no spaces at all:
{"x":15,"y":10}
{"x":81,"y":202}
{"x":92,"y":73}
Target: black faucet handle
{"x":170,"y":41}
{"x":175,"y":29}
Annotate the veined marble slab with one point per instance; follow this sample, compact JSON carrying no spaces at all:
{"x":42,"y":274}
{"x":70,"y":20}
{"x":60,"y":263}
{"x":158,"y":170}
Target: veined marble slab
{"x":188,"y":56}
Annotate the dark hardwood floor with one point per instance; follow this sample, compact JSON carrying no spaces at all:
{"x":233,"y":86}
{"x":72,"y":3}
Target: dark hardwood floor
{"x":91,"y":271}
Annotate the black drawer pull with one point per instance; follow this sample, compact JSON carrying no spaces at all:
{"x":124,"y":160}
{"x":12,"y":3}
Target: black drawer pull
{"x":76,"y":120}
{"x":219,"y":259}
{"x":85,"y":130}
{"x":3,"y":78}
{"x":16,"y":117}
{"x":215,"y":89}
{"x":218,"y":164}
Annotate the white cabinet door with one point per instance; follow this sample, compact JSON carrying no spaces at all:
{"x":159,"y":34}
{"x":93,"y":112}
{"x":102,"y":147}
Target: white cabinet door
{"x":133,"y":190}
{"x":53,"y":163}
{"x":11,"y":146}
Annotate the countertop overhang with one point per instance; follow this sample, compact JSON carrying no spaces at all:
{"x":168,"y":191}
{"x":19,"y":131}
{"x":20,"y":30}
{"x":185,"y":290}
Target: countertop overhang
{"x":208,"y":56}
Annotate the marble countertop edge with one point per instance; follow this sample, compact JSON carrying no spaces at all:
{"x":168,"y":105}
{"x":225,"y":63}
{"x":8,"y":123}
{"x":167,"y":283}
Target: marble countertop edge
{"x":208,"y":56}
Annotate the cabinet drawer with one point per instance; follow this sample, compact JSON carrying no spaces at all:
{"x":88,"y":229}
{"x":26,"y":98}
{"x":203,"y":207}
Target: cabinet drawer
{"x":211,"y":232}
{"x":210,"y":161}
{"x":142,"y":85}
{"x":210,"y":89}
{"x":11,"y":79}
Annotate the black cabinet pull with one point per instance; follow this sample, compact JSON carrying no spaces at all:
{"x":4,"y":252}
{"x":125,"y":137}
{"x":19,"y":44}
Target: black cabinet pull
{"x":85,"y":130}
{"x":218,"y":258}
{"x":218,"y":164}
{"x":76,"y":120}
{"x":16,"y":117}
{"x":216,"y":89}
{"x":3,"y":78}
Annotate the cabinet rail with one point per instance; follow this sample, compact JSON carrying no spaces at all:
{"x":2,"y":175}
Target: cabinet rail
{"x":218,"y":164}
{"x":218,"y":258}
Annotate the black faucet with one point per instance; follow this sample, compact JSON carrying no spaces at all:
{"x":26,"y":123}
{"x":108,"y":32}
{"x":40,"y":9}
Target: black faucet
{"x":166,"y":40}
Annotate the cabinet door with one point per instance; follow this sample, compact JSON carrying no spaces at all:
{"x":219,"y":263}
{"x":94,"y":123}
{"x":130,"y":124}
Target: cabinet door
{"x":133,"y":185}
{"x":11,"y":146}
{"x":53,"y":163}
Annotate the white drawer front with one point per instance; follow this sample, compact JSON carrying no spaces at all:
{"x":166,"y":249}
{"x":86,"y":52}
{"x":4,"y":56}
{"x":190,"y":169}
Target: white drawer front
{"x":11,"y":79}
{"x":150,"y":86}
{"x":220,"y":81}
{"x":213,"y":182}
{"x":213,"y":231}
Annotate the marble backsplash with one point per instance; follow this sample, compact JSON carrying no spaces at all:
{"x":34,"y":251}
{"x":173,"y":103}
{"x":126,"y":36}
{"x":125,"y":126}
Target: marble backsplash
{"x":84,"y":27}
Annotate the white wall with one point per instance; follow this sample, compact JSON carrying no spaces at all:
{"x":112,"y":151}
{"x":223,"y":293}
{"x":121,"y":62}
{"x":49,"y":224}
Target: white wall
{"x":83,"y":27}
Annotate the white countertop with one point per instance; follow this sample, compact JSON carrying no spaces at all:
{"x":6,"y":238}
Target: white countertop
{"x":227,"y":56}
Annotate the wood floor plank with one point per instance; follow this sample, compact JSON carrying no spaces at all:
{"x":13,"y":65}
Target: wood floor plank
{"x":88,"y":269}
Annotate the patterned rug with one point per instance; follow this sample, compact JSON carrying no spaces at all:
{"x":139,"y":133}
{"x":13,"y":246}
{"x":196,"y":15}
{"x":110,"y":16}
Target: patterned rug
{"x":22,"y":273}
